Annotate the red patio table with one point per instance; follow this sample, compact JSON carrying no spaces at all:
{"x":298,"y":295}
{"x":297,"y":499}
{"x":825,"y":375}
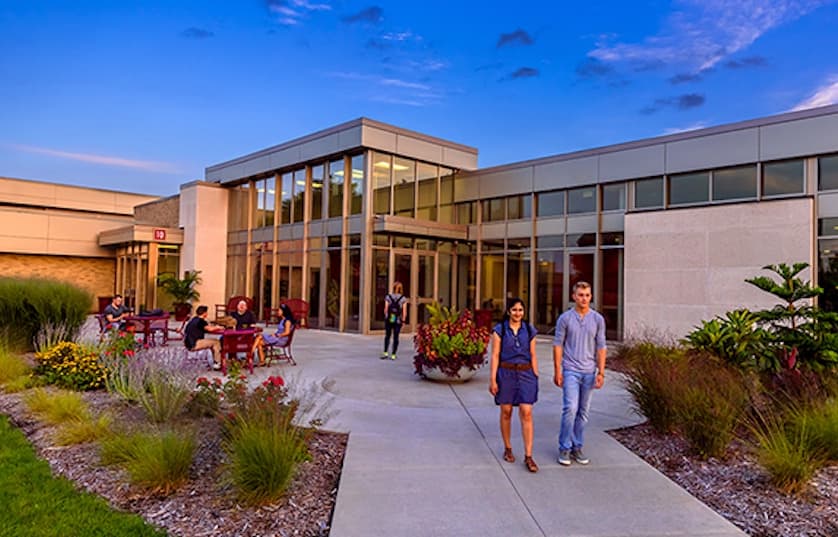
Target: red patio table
{"x":146,"y":321}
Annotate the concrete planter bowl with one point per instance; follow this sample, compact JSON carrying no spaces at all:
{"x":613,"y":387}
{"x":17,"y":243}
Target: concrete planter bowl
{"x":464,"y":374}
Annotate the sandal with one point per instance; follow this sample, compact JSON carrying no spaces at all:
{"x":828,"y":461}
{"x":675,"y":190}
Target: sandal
{"x":530,"y":464}
{"x":507,"y":455}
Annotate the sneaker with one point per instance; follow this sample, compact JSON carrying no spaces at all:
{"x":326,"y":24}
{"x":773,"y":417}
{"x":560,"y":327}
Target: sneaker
{"x":579,"y":457}
{"x":393,"y":356}
{"x":216,"y":367}
{"x":564,"y":457}
{"x":384,"y":355}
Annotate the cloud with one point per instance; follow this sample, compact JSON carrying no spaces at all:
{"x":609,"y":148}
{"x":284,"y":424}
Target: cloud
{"x":702,"y":33}
{"x":744,"y":63}
{"x":693,"y":127}
{"x":684,"y":78}
{"x":823,"y":96}
{"x":518,"y":37}
{"x":292,"y":12}
{"x":522,"y":72}
{"x":118,"y":162}
{"x":196,"y":33}
{"x":593,"y":68}
{"x":681,"y":102}
{"x":393,"y":90}
{"x":370,"y":15}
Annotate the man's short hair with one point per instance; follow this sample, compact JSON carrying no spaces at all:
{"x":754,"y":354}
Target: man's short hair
{"x":201,"y":310}
{"x":116,"y":296}
{"x":581,"y":285}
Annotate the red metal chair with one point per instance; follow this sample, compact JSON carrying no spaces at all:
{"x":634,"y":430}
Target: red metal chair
{"x":238,"y":341}
{"x":280,"y":352}
{"x":299,"y":308}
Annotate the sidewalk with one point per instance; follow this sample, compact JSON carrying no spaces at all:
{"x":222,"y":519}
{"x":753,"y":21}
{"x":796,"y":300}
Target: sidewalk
{"x":424,"y":458}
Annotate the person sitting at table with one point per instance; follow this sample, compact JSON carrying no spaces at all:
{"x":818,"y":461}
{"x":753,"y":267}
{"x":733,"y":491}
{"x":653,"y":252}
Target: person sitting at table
{"x":194,"y":335}
{"x":115,"y":314}
{"x":243,"y":316}
{"x":279,"y":338}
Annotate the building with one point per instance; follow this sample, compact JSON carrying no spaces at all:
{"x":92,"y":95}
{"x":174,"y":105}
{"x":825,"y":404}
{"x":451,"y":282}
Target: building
{"x":666,"y":229}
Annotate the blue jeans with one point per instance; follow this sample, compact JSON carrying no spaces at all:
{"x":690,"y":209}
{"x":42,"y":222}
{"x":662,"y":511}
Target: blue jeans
{"x":576,"y":401}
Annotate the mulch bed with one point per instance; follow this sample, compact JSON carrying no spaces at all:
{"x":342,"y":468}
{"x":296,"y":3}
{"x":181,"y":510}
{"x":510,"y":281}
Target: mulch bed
{"x":204,"y":506}
{"x":738,"y":489}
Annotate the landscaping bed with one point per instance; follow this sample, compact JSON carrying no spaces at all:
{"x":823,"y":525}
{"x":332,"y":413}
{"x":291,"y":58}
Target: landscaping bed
{"x":738,"y":489}
{"x":204,"y":506}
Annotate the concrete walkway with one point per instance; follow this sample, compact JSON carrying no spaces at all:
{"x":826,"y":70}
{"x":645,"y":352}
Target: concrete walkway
{"x":424,"y":458}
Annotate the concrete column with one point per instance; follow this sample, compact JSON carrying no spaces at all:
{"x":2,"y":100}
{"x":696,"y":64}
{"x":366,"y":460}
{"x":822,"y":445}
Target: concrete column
{"x":203,"y":217}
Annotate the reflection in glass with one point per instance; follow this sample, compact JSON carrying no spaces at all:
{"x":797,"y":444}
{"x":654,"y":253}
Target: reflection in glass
{"x":735,"y":183}
{"x":379,"y":288}
{"x":466,"y":212}
{"x":404,"y":186}
{"x":581,"y":200}
{"x":551,"y":203}
{"x":336,"y":182}
{"x":285,"y":198}
{"x":491,"y":282}
{"x":356,"y":184}
{"x":549,"y":279}
{"x":648,"y":193}
{"x":317,"y":192}
{"x":299,"y":194}
{"x":446,"y":196}
{"x":689,"y":188}
{"x":614,"y":197}
{"x":353,"y":284}
{"x":828,"y":173}
{"x":426,"y":176}
{"x":779,"y":178}
{"x":519,"y":207}
{"x":581,"y":268}
{"x":466,"y":276}
{"x":611,"y":302}
{"x":381,"y":183}
{"x":333,"y":302}
{"x":828,"y":274}
{"x":581,"y":240}
{"x":238,"y":200}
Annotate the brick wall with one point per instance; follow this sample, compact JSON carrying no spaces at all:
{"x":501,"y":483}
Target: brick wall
{"x":95,"y":275}
{"x":162,"y":213}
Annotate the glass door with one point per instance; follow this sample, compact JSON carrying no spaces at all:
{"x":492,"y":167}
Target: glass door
{"x":425,"y":287}
{"x":579,"y":267}
{"x":403,"y":272}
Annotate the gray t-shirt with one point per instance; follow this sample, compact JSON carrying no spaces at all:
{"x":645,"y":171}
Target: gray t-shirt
{"x":580,"y":337}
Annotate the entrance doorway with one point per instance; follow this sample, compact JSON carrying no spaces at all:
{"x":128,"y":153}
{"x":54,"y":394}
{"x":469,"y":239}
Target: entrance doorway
{"x":580,"y":268}
{"x":416,"y":270}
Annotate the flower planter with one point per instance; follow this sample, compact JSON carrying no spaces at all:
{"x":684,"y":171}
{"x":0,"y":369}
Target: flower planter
{"x":435,"y":374}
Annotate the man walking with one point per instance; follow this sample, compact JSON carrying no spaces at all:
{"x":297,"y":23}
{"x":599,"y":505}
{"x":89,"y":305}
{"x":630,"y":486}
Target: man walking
{"x":579,"y":363}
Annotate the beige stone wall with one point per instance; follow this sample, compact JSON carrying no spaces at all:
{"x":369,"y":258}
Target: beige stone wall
{"x":162,"y":213}
{"x":686,"y":265}
{"x":56,"y":195}
{"x":203,"y":217}
{"x":91,"y":274}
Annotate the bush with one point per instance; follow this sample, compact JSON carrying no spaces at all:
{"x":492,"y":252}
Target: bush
{"x":12,"y":366}
{"x":449,"y":342}
{"x":84,"y":431}
{"x":56,"y":407}
{"x":821,"y":424}
{"x":29,"y":305}
{"x":72,"y":366}
{"x":165,"y":395}
{"x":655,"y":373}
{"x":206,"y":400}
{"x":158,"y":461}
{"x":709,"y":406}
{"x":736,"y":339}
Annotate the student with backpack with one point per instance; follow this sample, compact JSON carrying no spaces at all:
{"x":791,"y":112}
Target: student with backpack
{"x":514,"y":377}
{"x":395,"y":313}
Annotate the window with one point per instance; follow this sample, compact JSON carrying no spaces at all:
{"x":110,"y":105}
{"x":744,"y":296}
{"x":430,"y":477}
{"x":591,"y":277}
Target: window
{"x":689,"y":188}
{"x":519,"y":207}
{"x":581,"y":200}
{"x":779,"y":178}
{"x":493,"y":210}
{"x":611,"y":239}
{"x":404,"y":186}
{"x":828,"y":227}
{"x":446,"y":196}
{"x":426,"y":175}
{"x":551,"y":203}
{"x":356,"y":184}
{"x":317,"y":192}
{"x":648,"y":193}
{"x":336,"y":188}
{"x":381,"y":183}
{"x":614,"y":197}
{"x":299,"y":194}
{"x":581,"y":239}
{"x":466,"y":212}
{"x":735,"y":183}
{"x":285,"y":198}
{"x":828,"y":173}
{"x":550,"y":241}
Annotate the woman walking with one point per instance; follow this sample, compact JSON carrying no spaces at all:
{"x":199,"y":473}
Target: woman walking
{"x":514,"y":377}
{"x":395,"y":313}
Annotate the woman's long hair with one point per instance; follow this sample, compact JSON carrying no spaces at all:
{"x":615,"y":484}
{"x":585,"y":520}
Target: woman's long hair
{"x":287,"y":313}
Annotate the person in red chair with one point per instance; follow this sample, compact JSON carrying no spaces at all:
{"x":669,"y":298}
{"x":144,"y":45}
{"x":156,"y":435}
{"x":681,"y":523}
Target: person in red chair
{"x":115,"y":314}
{"x":284,"y":326}
{"x":243,"y":316}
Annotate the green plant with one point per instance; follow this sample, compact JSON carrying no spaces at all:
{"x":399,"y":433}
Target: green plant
{"x":29,"y":305}
{"x":49,"y":507}
{"x":182,"y":290}
{"x":654,"y":376}
{"x":165,"y":395}
{"x":735,"y":338}
{"x":206,"y":399}
{"x":70,"y":365}
{"x":449,"y":341}
{"x":56,"y":406}
{"x":160,"y":462}
{"x":118,"y":447}
{"x":12,"y":366}
{"x":84,"y":431}
{"x":709,"y":406}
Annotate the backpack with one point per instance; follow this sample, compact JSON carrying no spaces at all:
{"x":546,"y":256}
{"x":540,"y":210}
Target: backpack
{"x":394,"y":309}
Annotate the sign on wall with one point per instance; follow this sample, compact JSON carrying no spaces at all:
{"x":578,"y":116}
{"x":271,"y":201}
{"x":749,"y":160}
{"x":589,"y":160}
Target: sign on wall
{"x":159,"y":234}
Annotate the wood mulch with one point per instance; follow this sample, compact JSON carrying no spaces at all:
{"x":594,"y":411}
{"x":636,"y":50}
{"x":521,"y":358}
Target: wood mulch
{"x":204,"y":506}
{"x":738,"y":489}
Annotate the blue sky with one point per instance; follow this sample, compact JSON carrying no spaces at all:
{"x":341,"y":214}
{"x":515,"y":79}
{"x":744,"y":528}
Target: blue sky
{"x":142,"y":96}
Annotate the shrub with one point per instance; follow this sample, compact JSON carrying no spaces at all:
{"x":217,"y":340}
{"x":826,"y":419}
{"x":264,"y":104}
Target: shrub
{"x":12,"y":366}
{"x":449,"y":342}
{"x":70,"y":365}
{"x":158,"y":461}
{"x":84,"y":431}
{"x":56,"y":407}
{"x":21,"y":383}
{"x":736,"y":339}
{"x":206,"y":399}
{"x":165,"y":396}
{"x":709,"y":406}
{"x":28,"y":305}
{"x":654,"y":375}
{"x":786,"y":452}
{"x":821,"y":423}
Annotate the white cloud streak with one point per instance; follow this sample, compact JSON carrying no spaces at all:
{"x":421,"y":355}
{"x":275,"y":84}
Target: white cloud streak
{"x":102,"y":160}
{"x":693,"y":127}
{"x":701,"y":33}
{"x":394,"y":90}
{"x":823,"y":96}
{"x":292,"y":12}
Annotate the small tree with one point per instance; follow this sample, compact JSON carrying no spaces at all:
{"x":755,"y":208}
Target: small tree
{"x":182,"y":290}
